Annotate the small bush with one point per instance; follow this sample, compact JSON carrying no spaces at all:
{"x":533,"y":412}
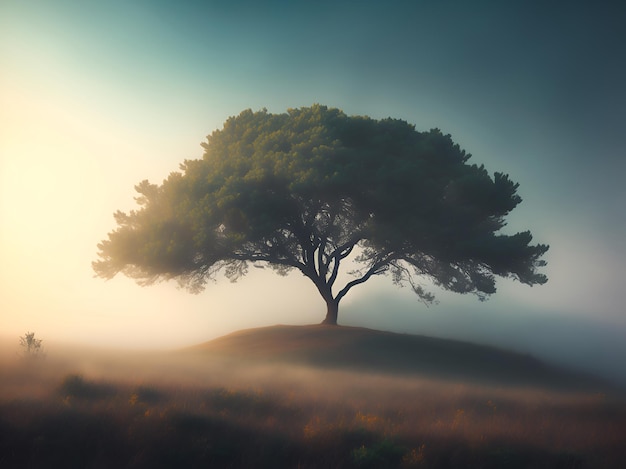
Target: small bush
{"x":75,"y":386}
{"x":146,"y":395}
{"x":31,"y":347}
{"x":380,"y":455}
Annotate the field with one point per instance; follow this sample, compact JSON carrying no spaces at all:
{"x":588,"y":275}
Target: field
{"x":237,"y":403}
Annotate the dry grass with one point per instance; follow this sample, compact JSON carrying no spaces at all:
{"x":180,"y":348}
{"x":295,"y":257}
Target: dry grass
{"x":175,"y":410}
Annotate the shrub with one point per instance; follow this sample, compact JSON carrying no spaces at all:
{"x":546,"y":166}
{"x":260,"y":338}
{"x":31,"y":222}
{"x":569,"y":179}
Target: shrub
{"x":75,"y":386}
{"x":145,"y":395}
{"x":382,"y":454}
{"x":31,"y":347}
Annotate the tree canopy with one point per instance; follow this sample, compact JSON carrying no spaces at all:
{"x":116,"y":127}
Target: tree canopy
{"x":311,"y":187}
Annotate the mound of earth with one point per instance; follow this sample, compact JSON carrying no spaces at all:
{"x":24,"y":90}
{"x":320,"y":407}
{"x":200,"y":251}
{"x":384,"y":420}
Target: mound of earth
{"x":367,"y":350}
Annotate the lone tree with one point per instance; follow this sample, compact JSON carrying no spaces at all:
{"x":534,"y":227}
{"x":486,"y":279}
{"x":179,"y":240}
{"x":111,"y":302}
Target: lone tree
{"x":31,"y":347}
{"x":307,"y":189}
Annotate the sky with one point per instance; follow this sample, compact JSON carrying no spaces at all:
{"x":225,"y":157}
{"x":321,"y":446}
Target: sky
{"x":97,"y":96}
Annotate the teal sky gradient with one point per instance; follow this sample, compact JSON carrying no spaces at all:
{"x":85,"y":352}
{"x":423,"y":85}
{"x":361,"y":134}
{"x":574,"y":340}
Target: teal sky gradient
{"x":96,"y":96}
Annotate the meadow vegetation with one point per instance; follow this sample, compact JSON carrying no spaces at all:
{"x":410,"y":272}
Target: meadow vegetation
{"x":194,"y":409}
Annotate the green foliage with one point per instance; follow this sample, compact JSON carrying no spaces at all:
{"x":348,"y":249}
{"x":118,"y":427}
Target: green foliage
{"x":303,"y":189}
{"x":384,"y":454}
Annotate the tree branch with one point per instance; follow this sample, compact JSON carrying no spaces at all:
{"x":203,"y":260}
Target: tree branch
{"x":376,"y":269}
{"x":257,"y":257}
{"x":333,"y":275}
{"x":322,"y":267}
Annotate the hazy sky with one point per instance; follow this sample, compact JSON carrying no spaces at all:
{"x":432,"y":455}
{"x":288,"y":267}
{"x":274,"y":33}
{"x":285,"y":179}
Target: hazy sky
{"x":96,"y":96}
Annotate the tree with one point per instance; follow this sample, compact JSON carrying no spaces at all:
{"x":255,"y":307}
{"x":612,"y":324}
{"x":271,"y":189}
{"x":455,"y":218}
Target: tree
{"x":309,"y":188}
{"x":31,"y":347}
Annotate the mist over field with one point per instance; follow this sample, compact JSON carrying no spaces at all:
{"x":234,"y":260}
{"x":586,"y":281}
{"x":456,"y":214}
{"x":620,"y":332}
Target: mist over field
{"x":573,"y":341}
{"x":275,"y":397}
{"x":578,"y":344}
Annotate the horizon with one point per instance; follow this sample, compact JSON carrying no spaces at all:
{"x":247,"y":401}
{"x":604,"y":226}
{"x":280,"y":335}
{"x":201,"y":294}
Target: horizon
{"x":582,"y":362}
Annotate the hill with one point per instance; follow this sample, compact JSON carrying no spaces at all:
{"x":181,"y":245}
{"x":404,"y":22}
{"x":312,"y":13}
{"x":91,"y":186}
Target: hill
{"x":367,"y":350}
{"x":337,"y":397}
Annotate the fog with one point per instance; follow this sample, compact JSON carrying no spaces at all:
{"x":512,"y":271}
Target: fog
{"x":190,"y":372}
{"x":572,"y":346}
{"x":86,"y":115}
{"x":575,"y":341}
{"x":572,"y":341}
{"x":116,"y":408}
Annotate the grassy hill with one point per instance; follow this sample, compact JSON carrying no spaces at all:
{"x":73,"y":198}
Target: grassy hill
{"x":360,"y":349}
{"x":307,"y":397}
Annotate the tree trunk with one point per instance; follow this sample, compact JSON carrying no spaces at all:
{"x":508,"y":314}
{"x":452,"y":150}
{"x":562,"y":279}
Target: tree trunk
{"x":332,"y":309}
